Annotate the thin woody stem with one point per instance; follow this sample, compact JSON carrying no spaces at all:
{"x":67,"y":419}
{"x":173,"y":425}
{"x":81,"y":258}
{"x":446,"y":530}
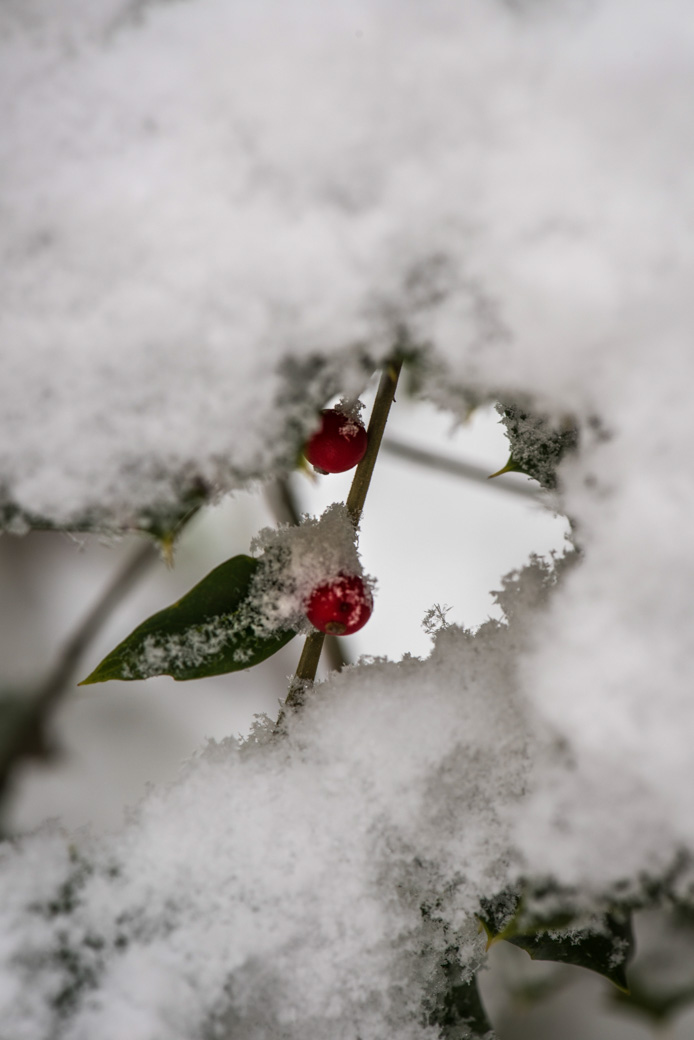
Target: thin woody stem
{"x":29,"y":737}
{"x":310,"y":655}
{"x":305,"y":670}
{"x":377,"y":424}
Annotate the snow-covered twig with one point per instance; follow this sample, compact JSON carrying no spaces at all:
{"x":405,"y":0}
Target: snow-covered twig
{"x":310,"y":655}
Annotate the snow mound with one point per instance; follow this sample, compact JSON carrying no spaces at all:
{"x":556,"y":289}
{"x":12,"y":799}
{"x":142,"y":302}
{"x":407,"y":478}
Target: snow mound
{"x":308,"y":885}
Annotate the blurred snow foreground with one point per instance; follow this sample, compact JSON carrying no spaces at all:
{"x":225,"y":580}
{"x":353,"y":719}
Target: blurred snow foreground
{"x":218,"y":213}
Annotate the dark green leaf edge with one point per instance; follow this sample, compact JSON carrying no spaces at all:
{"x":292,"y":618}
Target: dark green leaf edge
{"x":659,"y":1008}
{"x":210,"y":631}
{"x":459,"y":1012}
{"x":512,"y":466}
{"x":605,"y":949}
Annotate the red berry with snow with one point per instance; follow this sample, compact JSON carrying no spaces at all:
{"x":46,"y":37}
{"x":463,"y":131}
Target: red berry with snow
{"x":339,"y":444}
{"x":341,"y":607}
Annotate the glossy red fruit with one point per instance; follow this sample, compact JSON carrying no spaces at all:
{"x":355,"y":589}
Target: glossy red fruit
{"x":341,"y":607}
{"x":339,"y":444}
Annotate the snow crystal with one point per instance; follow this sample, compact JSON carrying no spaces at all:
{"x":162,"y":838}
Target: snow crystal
{"x":352,"y":407}
{"x":186,"y":649}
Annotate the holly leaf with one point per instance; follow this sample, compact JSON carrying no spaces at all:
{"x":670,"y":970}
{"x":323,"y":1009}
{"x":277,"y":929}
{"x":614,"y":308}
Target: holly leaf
{"x":512,"y":466}
{"x":661,"y":980}
{"x":538,"y":444}
{"x":212,"y":630}
{"x":459,"y":1013}
{"x":658,"y":1006}
{"x":605,"y":946}
{"x":605,"y":949}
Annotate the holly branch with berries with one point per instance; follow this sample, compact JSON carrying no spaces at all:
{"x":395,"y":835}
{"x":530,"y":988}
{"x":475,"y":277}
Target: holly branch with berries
{"x":249,"y":607}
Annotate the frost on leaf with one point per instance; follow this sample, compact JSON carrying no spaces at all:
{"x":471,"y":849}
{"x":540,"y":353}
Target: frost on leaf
{"x":245,"y":610}
{"x":215,"y":628}
{"x":546,"y":925}
{"x":537,"y":444}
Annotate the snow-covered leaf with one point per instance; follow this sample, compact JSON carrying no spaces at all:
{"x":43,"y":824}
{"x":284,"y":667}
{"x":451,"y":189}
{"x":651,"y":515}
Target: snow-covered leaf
{"x":604,"y":945}
{"x":460,"y":1014}
{"x":605,"y":950}
{"x":209,"y":631}
{"x":537,"y":446}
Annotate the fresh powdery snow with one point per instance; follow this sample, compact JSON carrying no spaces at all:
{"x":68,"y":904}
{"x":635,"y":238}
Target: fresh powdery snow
{"x":295,"y":560}
{"x":217,"y":214}
{"x":303,"y":885}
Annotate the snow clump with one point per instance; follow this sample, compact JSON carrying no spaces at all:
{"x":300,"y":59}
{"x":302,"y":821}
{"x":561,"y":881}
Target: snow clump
{"x":296,"y":560}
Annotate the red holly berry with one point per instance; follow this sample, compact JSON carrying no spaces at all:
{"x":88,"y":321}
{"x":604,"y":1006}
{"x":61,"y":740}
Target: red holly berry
{"x":339,"y":444}
{"x":341,"y":607}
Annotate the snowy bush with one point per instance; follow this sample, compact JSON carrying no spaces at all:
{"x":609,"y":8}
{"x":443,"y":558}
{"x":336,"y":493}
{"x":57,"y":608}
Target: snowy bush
{"x":218,"y":215}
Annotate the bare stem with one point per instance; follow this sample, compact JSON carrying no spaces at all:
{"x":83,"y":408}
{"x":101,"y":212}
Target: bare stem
{"x":377,"y":424}
{"x":28,"y":736}
{"x":459,"y":468}
{"x":305,"y":672}
{"x":310,"y":655}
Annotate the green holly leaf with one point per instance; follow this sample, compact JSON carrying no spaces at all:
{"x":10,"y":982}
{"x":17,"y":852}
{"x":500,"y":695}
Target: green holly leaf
{"x":512,"y":466}
{"x":459,"y":1012}
{"x":605,"y":946}
{"x":657,"y":1005}
{"x":661,"y":979}
{"x":605,"y":949}
{"x":212,"y":630}
{"x":538,"y":444}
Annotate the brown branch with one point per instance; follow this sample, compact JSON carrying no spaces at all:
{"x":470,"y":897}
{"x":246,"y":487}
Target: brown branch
{"x":26,"y":733}
{"x":459,"y":468}
{"x":310,"y":655}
